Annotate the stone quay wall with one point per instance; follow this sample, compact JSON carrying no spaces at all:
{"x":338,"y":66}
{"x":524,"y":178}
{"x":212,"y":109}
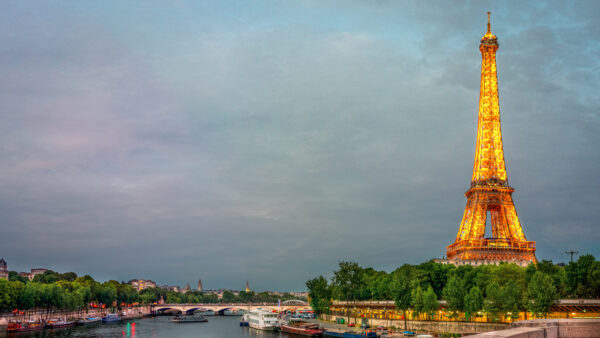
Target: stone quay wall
{"x":424,"y":325}
{"x":548,"y":328}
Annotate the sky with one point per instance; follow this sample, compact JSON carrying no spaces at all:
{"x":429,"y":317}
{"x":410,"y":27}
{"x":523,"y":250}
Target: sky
{"x":268,"y":140}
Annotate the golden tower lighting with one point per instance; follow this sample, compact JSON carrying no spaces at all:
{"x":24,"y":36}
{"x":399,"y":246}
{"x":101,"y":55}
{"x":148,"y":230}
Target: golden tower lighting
{"x":489,"y":194}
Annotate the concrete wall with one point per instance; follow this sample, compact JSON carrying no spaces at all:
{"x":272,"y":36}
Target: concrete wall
{"x":549,"y":328}
{"x":523,"y":332}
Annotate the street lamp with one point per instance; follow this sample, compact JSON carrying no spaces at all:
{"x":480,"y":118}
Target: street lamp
{"x":387,"y":318}
{"x":571,"y":252}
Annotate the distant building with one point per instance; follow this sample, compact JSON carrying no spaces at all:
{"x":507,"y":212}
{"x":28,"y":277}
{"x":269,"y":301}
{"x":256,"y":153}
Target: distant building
{"x":247,"y":287}
{"x":36,"y":271}
{"x":299,"y":294}
{"x":220,"y":292}
{"x":141,"y":284}
{"x":186,"y":289}
{"x":199,"y":284}
{"x":33,"y":273}
{"x":176,"y":288}
{"x":3,"y":269}
{"x":173,"y":288}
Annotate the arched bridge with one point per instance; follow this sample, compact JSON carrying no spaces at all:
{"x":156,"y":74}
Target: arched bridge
{"x":292,"y":305}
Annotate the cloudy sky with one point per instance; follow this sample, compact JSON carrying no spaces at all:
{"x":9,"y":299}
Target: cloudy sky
{"x":267,"y":140}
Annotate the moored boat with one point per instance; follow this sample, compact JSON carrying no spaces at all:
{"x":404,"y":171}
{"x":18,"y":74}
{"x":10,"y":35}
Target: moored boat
{"x":262,"y":319}
{"x":348,"y":334}
{"x":303,"y":328}
{"x":24,"y":326}
{"x":244,"y":320}
{"x":188,"y":319}
{"x":89,"y":320}
{"x":111,"y":318}
{"x":58,"y":323}
{"x":205,"y":312}
{"x":233,"y":312}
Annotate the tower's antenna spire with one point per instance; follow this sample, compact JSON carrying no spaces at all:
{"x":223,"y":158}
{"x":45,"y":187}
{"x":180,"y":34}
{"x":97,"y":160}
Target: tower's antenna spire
{"x":489,"y":26}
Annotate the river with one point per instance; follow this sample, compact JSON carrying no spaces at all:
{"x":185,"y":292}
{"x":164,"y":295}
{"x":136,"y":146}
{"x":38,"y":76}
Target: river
{"x":216,"y":327}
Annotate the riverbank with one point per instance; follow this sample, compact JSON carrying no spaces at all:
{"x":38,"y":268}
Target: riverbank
{"x":125,"y":314}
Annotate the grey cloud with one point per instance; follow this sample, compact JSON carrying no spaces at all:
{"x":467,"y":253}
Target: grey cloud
{"x":197,"y":153}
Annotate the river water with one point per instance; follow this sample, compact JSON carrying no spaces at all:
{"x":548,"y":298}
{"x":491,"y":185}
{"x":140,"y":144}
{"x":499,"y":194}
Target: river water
{"x":216,"y":327}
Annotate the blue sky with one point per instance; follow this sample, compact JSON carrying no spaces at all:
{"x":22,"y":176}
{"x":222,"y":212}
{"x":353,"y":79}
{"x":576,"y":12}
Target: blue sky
{"x":268,"y":140}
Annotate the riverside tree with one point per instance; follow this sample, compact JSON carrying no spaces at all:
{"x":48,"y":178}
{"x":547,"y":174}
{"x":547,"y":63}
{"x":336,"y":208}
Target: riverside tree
{"x":401,"y":292}
{"x":30,"y":296}
{"x":9,"y":294}
{"x":417,"y":301}
{"x":473,"y":301}
{"x":511,"y":299}
{"x":492,"y":303}
{"x":319,"y":294}
{"x":347,"y":281}
{"x":454,"y":294}
{"x":542,"y":294}
{"x":430,"y":302}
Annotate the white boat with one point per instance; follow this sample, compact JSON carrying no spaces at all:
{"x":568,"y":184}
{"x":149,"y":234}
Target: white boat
{"x":244,"y":320}
{"x":233,"y":312}
{"x":188,"y":319}
{"x":205,"y":312}
{"x":262,"y":319}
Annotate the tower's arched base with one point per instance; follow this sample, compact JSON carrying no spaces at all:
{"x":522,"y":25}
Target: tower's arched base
{"x":491,"y":251}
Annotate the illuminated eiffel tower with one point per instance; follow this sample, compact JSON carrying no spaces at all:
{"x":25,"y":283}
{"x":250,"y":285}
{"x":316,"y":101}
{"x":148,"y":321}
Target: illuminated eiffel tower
{"x":490,"y":195}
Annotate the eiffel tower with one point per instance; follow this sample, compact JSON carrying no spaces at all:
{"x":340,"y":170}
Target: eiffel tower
{"x":490,"y":196}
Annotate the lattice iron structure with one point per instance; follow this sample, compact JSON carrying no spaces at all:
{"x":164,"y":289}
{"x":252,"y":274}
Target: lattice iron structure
{"x":489,"y":194}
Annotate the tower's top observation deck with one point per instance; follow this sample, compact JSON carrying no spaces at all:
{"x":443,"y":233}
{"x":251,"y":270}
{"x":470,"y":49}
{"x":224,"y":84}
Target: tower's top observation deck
{"x":489,"y":38}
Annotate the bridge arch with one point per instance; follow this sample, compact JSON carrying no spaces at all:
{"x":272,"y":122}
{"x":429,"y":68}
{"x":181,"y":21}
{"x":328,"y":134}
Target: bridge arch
{"x":191,"y":310}
{"x":294,"y":302}
{"x":163,"y":309}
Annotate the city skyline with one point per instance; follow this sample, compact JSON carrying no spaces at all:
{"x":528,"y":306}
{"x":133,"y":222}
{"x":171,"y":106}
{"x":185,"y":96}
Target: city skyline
{"x":268,"y":141}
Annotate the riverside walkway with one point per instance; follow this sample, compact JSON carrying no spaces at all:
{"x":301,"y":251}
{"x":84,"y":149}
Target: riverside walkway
{"x":386,"y":309}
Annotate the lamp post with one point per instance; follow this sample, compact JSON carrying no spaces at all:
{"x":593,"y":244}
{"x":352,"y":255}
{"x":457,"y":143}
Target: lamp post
{"x":571,"y":252}
{"x":387,"y":318}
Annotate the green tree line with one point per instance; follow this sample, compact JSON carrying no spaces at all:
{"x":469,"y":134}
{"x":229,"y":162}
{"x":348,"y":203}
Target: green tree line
{"x":152,"y":295}
{"x":498,"y":290}
{"x":66,"y":291}
{"x":55,"y":291}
